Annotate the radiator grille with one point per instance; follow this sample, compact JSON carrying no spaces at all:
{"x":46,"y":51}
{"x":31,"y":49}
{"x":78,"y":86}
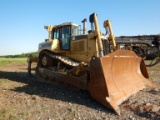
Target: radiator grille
{"x":78,"y":46}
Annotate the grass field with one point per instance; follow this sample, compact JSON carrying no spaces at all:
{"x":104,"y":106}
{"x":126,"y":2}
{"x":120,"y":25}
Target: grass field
{"x":8,"y":61}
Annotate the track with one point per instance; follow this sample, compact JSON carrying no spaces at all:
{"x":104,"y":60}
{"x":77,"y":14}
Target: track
{"x":63,"y":59}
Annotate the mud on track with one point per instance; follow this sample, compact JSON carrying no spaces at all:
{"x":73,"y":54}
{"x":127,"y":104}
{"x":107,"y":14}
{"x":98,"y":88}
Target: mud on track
{"x":22,"y":97}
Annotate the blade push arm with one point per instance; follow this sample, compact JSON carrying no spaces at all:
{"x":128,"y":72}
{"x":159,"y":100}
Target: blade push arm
{"x":107,"y":24}
{"x":93,"y":19}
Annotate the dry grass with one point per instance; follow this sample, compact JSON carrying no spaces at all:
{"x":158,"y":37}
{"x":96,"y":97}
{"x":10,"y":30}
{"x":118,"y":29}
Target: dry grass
{"x":9,"y":61}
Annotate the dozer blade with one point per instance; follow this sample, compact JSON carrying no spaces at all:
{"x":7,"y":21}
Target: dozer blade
{"x":117,"y":76}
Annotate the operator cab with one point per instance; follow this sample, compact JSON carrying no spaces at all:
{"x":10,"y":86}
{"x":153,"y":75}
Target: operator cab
{"x":64,"y":33}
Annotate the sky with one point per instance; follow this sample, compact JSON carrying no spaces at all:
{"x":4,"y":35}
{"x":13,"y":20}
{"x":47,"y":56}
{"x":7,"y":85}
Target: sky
{"x":22,"y":21}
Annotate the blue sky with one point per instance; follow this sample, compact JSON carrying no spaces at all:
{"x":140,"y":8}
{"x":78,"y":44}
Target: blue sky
{"x":22,"y":21}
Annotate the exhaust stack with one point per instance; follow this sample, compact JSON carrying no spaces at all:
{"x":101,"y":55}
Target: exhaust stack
{"x":84,"y":26}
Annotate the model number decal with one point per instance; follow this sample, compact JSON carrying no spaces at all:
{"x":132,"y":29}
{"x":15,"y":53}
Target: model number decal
{"x":45,"y":45}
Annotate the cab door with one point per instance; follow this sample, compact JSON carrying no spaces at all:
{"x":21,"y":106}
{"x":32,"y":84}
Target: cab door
{"x":65,"y":37}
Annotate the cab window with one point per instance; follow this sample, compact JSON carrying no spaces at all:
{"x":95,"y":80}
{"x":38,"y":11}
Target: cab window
{"x":55,"y":34}
{"x":74,"y":30}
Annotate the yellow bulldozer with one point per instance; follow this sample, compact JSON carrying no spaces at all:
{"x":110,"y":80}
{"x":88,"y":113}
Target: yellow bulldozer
{"x":90,"y":61}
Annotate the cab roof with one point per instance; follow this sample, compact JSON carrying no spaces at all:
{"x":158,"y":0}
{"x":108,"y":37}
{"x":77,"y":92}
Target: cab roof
{"x":60,"y":25}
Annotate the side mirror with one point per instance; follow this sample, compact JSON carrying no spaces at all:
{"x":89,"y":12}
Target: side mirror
{"x":46,"y":40}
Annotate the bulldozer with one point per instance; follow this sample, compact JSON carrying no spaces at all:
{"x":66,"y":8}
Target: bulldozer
{"x":90,"y":61}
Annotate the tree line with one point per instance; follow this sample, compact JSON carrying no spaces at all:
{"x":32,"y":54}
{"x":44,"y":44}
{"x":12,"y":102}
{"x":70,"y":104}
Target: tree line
{"x":23,"y":55}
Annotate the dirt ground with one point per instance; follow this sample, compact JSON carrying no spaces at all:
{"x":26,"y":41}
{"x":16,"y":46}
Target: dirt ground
{"x":25,"y":98}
